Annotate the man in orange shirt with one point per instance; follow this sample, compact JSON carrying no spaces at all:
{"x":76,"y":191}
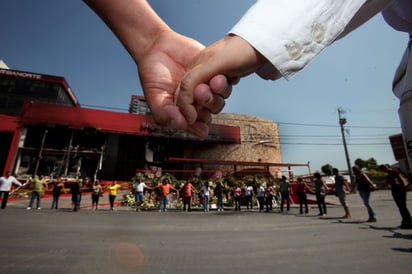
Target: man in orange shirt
{"x":187,"y":190}
{"x":164,"y":188}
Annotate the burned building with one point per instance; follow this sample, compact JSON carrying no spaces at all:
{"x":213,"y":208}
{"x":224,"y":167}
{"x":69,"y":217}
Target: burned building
{"x":44,"y":130}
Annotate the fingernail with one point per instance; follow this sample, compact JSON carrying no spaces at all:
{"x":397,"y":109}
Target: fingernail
{"x":210,"y":98}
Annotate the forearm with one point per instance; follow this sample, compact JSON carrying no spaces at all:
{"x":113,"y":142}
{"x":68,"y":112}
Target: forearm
{"x":133,"y":21}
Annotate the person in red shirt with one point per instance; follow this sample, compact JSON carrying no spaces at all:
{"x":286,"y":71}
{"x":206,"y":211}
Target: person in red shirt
{"x":303,"y":199}
{"x":165,"y":188}
{"x":187,"y":190}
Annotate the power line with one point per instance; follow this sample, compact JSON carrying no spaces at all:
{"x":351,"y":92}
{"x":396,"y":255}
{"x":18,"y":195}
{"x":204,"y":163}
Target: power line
{"x":307,"y":124}
{"x":252,"y":120}
{"x":333,"y":137}
{"x":336,"y":144}
{"x":335,"y":126}
{"x":105,"y":107}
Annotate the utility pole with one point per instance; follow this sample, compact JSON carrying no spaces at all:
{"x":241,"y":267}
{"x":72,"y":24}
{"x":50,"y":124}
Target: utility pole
{"x":342,"y":121}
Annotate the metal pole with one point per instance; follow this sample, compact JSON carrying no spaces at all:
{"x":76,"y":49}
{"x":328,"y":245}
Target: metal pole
{"x":66,"y":166}
{"x":40,"y":152}
{"x":342,"y":121}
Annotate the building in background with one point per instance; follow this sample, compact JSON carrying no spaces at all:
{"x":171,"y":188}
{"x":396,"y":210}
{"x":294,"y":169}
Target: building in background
{"x":138,"y":105}
{"x":44,"y":130}
{"x":3,"y":65}
{"x":399,"y":152}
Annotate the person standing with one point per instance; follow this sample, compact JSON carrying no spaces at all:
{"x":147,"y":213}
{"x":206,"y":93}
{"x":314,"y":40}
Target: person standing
{"x":75,"y":190}
{"x":37,"y":191}
{"x":205,"y":189}
{"x":113,"y":188}
{"x":187,"y":192}
{"x":164,"y":188}
{"x":320,"y":192}
{"x":269,"y":194}
{"x":260,"y":196}
{"x":398,"y":183}
{"x":237,"y":193}
{"x":219,"y":195}
{"x":284,"y":188}
{"x":139,"y":186}
{"x":58,"y":186}
{"x":6,"y":183}
{"x":302,"y":196}
{"x":365,"y":186}
{"x":341,"y":186}
{"x":97,"y":191}
{"x":249,"y":197}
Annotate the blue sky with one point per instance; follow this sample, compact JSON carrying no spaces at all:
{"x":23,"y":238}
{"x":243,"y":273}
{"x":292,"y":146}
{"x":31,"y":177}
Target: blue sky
{"x":66,"y":38}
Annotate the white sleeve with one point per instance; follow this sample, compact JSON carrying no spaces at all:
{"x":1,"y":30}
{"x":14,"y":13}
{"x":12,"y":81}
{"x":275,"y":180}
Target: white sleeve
{"x":16,"y":182}
{"x":290,"y":33}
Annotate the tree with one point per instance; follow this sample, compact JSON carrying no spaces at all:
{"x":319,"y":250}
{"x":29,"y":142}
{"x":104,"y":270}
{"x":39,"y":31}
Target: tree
{"x":327,"y":169}
{"x":372,"y":167}
{"x":360,"y":163}
{"x":370,"y":164}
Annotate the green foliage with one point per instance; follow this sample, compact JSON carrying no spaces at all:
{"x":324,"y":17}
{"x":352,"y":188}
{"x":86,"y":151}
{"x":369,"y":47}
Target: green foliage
{"x":327,"y":169}
{"x":370,"y":164}
{"x":372,"y":167}
{"x":376,"y":175}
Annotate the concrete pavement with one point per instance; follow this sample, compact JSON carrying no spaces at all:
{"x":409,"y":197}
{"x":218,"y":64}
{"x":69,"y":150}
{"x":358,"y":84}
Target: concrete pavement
{"x":125,"y":241}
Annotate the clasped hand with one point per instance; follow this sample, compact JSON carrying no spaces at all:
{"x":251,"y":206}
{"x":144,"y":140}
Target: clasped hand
{"x":185,"y":83}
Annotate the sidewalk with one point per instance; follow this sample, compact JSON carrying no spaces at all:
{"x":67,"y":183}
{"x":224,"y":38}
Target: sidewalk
{"x":65,"y":201}
{"x":86,"y":202}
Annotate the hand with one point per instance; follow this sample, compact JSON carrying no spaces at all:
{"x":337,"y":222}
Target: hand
{"x":161,"y":69}
{"x":230,"y":56}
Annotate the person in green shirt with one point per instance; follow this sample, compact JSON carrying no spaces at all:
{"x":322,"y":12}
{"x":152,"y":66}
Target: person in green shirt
{"x":37,"y":190}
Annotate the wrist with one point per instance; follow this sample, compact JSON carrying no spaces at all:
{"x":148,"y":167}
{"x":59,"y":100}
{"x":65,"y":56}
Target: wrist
{"x":135,"y":23}
{"x":248,"y":59}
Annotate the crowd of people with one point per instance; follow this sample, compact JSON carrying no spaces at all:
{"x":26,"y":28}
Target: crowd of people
{"x":206,"y":191}
{"x":265,"y":196}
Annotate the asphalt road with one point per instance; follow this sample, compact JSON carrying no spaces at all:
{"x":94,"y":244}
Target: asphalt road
{"x":125,"y":241}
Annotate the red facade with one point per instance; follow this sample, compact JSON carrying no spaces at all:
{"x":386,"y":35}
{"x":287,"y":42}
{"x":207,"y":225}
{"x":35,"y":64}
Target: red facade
{"x":115,"y":122}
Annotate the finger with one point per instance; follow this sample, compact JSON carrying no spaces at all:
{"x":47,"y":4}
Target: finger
{"x":204,"y":97}
{"x":173,"y":117}
{"x":219,"y":85}
{"x":185,"y":97}
{"x":233,"y":80}
{"x":184,"y":100}
{"x":204,"y":115}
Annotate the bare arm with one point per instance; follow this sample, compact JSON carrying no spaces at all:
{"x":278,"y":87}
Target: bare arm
{"x":134,"y":22}
{"x":163,"y":57}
